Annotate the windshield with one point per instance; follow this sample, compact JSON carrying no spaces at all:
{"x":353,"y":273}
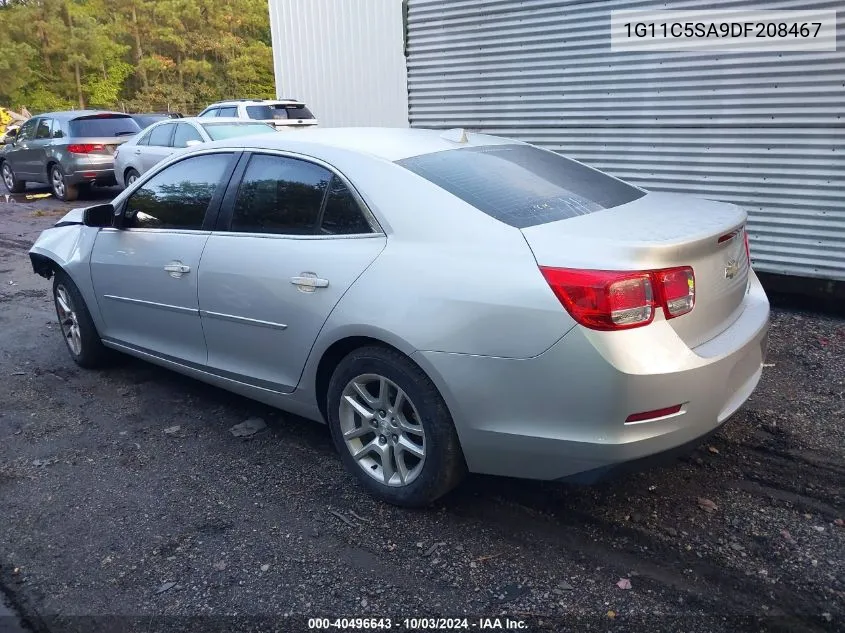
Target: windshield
{"x":279,"y":111}
{"x":522,"y":185}
{"x":220,"y":131}
{"x":103,"y":125}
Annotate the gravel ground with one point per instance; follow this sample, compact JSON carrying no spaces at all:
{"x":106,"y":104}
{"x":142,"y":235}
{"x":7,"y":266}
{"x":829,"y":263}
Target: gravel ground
{"x":123,"y":493}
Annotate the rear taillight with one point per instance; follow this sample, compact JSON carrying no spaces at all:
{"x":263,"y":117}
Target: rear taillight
{"x":620,"y":300}
{"x":747,"y":246}
{"x":85,"y":148}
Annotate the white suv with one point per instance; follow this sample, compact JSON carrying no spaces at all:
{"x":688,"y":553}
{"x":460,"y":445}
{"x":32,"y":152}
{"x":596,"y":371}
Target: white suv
{"x":280,"y":113}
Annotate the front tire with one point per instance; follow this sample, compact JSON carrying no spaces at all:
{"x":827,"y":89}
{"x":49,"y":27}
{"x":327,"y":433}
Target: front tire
{"x":10,"y":180}
{"x":392,"y":428}
{"x":81,"y":337}
{"x":61,"y":189}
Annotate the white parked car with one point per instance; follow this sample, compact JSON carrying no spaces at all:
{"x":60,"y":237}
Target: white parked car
{"x":280,"y":113}
{"x":161,"y":139}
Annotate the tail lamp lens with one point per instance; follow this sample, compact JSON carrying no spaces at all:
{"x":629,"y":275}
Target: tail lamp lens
{"x":85,"y":148}
{"x":614,"y":300}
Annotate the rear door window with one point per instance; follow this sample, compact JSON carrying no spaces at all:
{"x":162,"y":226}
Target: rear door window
{"x":43,"y":130}
{"x":161,"y":135}
{"x":178,"y":196}
{"x":522,"y":185}
{"x":103,"y":125}
{"x":231,"y":111}
{"x":342,"y":215}
{"x":280,"y":195}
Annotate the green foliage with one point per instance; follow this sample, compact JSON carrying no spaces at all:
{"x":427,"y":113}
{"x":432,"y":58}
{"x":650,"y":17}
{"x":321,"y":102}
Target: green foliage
{"x":133,"y":54}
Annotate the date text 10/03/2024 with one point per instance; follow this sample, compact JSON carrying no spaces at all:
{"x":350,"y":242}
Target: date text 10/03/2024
{"x":417,"y":624}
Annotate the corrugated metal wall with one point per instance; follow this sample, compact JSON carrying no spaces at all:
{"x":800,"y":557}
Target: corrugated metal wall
{"x":763,"y":130}
{"x":344,"y":58}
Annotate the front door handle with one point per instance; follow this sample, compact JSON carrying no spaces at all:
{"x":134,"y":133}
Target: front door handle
{"x":177,"y":269}
{"x":309,"y":282}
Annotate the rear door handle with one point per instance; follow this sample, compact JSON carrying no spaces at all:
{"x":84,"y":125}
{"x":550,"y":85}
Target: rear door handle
{"x":309,"y":282}
{"x":177,"y":269}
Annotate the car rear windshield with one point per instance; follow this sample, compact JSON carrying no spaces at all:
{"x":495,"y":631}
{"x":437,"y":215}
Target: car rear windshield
{"x":103,"y":126}
{"x":522,"y":185}
{"x":220,"y":131}
{"x":278,"y":111}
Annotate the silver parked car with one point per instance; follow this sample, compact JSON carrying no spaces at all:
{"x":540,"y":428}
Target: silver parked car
{"x":67,"y":150}
{"x":444,"y":301}
{"x":161,"y":139}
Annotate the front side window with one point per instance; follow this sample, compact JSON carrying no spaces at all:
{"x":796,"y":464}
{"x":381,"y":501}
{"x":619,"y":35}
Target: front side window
{"x":161,"y":135}
{"x":178,"y":196}
{"x":27,"y":130}
{"x":280,"y":195}
{"x":185,"y":132}
{"x":522,"y":185}
{"x":342,"y":215}
{"x":43,"y":131}
{"x":212,"y":112}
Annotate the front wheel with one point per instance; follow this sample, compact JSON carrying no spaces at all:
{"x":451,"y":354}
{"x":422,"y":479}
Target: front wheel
{"x":10,"y":180}
{"x":61,"y":189}
{"x":81,"y":337}
{"x":131,"y":176}
{"x":392,"y":428}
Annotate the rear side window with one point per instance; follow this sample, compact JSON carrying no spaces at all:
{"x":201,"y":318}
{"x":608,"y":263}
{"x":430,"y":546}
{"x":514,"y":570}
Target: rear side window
{"x":160,"y":136}
{"x":209,"y":113}
{"x":178,"y":196}
{"x":185,"y":132}
{"x":228,"y":111}
{"x":280,"y":195}
{"x":279,"y":111}
{"x":103,"y":126}
{"x":342,"y":215}
{"x":521,"y":185}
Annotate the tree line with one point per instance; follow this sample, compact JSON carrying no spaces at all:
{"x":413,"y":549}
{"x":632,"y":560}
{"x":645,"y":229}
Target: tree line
{"x":133,"y":55}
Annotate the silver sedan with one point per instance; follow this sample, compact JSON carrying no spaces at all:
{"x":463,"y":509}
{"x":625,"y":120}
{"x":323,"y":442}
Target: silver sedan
{"x":445,"y":301}
{"x":160,"y":140}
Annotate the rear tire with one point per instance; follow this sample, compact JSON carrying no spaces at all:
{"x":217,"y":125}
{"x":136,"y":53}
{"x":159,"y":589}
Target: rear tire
{"x":61,"y":189}
{"x":130,"y":177}
{"x":408,"y":455}
{"x":10,"y":180}
{"x":81,"y":337}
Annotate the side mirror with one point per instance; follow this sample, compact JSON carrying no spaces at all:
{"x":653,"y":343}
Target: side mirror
{"x":101,"y":215}
{"x":193,"y":143}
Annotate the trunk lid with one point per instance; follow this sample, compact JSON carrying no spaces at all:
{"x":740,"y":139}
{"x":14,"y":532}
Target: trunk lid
{"x":660,"y":230}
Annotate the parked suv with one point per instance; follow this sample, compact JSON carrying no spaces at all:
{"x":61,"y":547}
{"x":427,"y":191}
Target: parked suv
{"x":66,"y":150}
{"x":280,"y":113}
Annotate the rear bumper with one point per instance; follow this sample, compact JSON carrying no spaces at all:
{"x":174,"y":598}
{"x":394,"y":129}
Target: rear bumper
{"x":93,"y":175}
{"x":563,"y":412}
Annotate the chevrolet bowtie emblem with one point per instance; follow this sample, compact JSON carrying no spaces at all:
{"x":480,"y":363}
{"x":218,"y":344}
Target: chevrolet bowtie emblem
{"x":731,"y":269}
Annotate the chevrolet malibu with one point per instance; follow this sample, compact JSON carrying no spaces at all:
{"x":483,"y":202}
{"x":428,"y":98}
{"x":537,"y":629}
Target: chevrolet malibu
{"x":446,"y":302}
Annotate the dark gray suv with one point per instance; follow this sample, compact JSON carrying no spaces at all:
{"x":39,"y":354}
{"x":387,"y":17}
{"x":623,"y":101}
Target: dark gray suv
{"x":66,"y":150}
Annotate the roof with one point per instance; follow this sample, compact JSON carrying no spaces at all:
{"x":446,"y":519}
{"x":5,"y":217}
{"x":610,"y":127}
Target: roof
{"x":253,"y":102}
{"x":69,"y":115}
{"x":388,"y":143}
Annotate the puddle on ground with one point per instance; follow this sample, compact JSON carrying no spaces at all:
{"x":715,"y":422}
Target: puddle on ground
{"x":17,"y":198}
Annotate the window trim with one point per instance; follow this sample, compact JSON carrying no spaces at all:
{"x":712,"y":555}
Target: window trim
{"x":214,"y":205}
{"x":227,"y":207}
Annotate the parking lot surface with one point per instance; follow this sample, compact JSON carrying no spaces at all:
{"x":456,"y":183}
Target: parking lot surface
{"x":123,"y":492}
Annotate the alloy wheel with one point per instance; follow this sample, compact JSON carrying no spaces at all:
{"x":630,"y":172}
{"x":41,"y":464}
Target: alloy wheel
{"x":382,"y":430}
{"x":58,"y":182}
{"x":68,"y":320}
{"x":8,"y":177}
{"x":133,"y":176}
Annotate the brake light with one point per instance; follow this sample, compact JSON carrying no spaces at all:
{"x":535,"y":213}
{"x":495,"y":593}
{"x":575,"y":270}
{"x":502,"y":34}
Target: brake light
{"x":620,"y":300}
{"x":85,"y":148}
{"x":747,"y":246}
{"x":652,"y":415}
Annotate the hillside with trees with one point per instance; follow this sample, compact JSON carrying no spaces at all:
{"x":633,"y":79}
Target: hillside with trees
{"x":136,"y":55}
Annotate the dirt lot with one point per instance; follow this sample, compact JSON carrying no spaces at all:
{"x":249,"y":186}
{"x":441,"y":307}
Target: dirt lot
{"x":123,"y":493}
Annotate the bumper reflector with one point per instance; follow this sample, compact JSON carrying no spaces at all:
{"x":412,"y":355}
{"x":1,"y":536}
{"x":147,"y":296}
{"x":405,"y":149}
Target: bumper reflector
{"x":652,"y":415}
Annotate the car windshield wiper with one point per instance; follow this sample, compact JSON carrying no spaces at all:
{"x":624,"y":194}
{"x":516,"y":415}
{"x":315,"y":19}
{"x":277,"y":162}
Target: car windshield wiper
{"x":125,"y":133}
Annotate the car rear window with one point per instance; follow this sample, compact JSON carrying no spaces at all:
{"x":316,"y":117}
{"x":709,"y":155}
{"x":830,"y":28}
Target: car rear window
{"x":103,"y":126}
{"x":278,"y":111}
{"x":220,"y":131}
{"x":522,"y":185}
